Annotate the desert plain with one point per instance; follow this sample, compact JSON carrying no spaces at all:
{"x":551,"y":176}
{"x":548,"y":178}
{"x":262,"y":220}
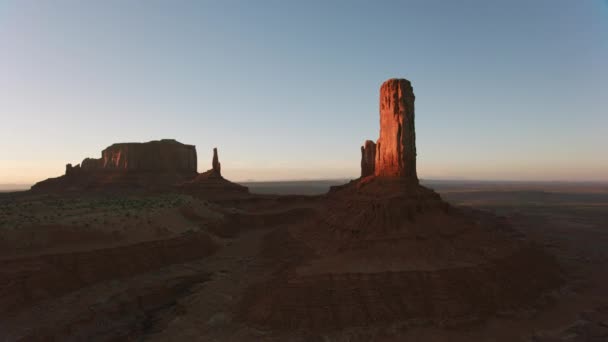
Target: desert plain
{"x":177,"y":267}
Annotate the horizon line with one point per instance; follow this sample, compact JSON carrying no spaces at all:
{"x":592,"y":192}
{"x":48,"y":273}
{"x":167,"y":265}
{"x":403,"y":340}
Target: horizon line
{"x":26,"y":186}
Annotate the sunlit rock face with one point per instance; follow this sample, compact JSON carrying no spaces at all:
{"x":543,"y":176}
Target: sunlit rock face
{"x":396,"y":147}
{"x":368,"y":158}
{"x":163,"y":156}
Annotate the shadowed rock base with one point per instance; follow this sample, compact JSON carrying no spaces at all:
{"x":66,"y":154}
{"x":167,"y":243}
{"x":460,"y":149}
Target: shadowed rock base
{"x":112,"y":180}
{"x":211,"y":184}
{"x":376,"y":255}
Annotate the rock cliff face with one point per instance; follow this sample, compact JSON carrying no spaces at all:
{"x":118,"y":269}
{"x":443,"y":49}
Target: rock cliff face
{"x":163,"y":156}
{"x":150,"y":165}
{"x":368,"y":158}
{"x":396,"y":147}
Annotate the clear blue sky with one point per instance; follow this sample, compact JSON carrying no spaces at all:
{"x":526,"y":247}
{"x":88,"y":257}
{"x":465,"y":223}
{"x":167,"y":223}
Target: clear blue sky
{"x":289,"y":89}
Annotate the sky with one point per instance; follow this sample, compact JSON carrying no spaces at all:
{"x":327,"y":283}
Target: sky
{"x":505,"y":90}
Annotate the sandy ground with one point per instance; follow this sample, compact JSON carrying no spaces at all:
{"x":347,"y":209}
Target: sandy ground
{"x":42,"y":224}
{"x":168,"y":299}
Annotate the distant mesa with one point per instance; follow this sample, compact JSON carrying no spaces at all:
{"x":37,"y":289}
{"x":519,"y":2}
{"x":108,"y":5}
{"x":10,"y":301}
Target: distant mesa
{"x":166,"y":155}
{"x":153,"y":165}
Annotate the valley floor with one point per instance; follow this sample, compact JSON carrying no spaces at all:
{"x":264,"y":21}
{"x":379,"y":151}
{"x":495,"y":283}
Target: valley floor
{"x":174,"y":267}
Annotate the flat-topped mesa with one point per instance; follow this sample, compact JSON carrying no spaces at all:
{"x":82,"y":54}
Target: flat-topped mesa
{"x":396,"y":147}
{"x":152,"y":165}
{"x":166,"y":155}
{"x":368,"y":158}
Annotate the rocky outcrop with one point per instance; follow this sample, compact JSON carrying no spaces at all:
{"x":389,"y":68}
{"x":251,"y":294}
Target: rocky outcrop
{"x":368,"y":158}
{"x":396,"y":147}
{"x":72,"y":170}
{"x":92,"y":164}
{"x":215,"y":164}
{"x":161,"y":156}
{"x":211,"y":184}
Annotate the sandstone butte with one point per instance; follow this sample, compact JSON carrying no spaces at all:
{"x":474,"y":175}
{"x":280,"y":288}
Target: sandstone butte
{"x":384,"y":248}
{"x":395,"y":150}
{"x":162,"y":164}
{"x":157,"y":156}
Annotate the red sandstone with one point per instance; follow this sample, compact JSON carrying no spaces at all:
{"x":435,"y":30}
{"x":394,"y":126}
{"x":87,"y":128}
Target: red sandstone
{"x":396,"y":147}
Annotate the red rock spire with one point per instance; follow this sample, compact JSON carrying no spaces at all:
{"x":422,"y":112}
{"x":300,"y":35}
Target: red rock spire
{"x":396,"y":147}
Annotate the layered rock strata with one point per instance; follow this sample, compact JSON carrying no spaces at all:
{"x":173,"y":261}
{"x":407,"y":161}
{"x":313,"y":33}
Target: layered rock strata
{"x":385,"y":249}
{"x":215,"y":164}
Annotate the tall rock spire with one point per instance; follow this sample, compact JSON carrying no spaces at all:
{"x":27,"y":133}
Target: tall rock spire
{"x":216,"y":166}
{"x":368,"y":158}
{"x":396,"y":147}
